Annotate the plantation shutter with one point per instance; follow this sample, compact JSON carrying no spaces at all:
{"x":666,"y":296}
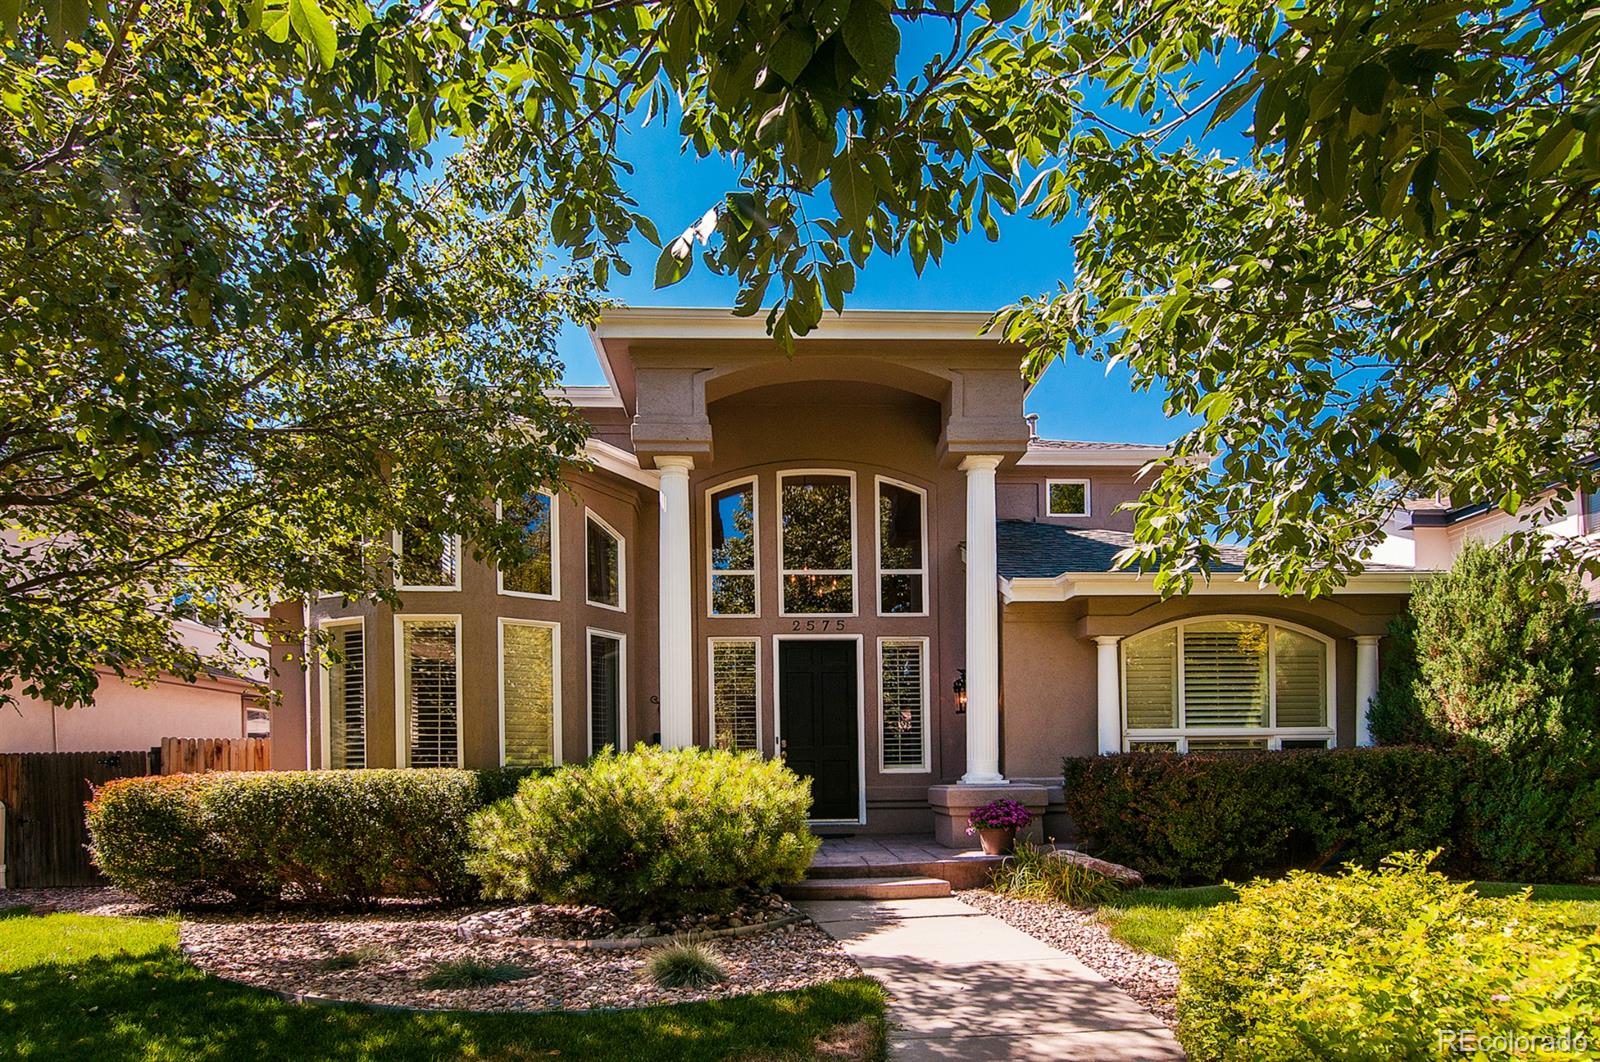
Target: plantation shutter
{"x":347,"y":700}
{"x":605,"y":692}
{"x":733,"y":694}
{"x":1150,"y":664}
{"x":1300,"y":667}
{"x":1225,"y":674}
{"x":903,"y":697}
{"x":428,"y":652}
{"x":528,"y":674}
{"x":428,"y":559}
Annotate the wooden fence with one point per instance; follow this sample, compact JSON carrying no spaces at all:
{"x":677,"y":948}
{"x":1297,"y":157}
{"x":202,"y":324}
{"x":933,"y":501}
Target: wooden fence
{"x":43,"y":839}
{"x":199,"y":755}
{"x":44,"y":793}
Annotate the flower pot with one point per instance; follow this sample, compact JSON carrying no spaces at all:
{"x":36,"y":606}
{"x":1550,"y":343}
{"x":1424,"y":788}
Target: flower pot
{"x":999,"y":840}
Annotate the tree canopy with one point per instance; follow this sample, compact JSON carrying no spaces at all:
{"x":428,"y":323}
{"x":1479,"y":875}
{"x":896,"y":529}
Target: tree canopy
{"x":280,"y":274}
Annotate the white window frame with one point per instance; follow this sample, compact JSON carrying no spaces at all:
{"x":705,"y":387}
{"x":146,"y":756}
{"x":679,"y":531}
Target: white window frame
{"x":927,"y":694}
{"x":402,"y":750}
{"x":622,"y":562}
{"x":555,"y":554}
{"x":622,"y":686}
{"x":399,"y":540}
{"x":324,"y":687}
{"x":861,"y":712}
{"x":855,"y":560}
{"x":755,"y":547}
{"x":555,"y":682}
{"x":1180,"y":735}
{"x":1088,"y":499}
{"x":877,"y":543}
{"x":711,"y":684}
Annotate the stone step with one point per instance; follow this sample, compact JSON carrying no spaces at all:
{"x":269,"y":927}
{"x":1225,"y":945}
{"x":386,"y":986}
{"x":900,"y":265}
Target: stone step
{"x":866,"y":889}
{"x":967,"y":871}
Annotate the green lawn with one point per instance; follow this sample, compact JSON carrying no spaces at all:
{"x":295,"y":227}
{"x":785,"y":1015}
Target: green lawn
{"x":90,"y":988}
{"x":1152,"y":919}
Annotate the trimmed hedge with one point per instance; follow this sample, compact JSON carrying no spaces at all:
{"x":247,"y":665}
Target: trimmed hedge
{"x":1201,"y":817}
{"x":344,"y":838}
{"x":1383,"y":965}
{"x":648,"y":832}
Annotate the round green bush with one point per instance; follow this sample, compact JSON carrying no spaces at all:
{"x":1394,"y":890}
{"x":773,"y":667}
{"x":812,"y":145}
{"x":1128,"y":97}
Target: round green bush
{"x":647,"y":833}
{"x":1381,"y":965}
{"x":335,"y":838}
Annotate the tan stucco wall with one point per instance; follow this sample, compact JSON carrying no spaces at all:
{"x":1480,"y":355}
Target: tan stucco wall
{"x":125,"y":717}
{"x":1020,"y":495}
{"x":630,"y":510}
{"x":1048,"y":661}
{"x":870,"y":431}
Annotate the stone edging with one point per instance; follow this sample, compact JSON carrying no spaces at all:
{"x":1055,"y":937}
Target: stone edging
{"x":629,"y":943}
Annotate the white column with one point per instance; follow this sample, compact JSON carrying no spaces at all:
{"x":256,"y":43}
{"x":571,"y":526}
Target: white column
{"x":1108,"y":695}
{"x":676,"y":606}
{"x":1366,"y":684}
{"x":983,"y":626}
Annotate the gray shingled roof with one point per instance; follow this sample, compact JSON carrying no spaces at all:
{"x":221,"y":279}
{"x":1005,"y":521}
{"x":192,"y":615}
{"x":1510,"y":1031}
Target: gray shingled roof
{"x":1043,"y":551}
{"x":1029,"y":550}
{"x":1080,"y":444}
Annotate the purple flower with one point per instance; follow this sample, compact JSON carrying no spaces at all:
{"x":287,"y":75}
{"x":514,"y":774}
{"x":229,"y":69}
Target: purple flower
{"x":1004,"y":814}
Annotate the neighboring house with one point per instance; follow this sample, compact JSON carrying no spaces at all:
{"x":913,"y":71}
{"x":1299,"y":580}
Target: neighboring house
{"x":857,"y":558}
{"x":126,"y":716}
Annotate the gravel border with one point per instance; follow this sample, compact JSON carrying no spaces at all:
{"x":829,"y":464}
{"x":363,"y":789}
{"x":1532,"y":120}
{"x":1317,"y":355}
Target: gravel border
{"x":76,"y":899}
{"x":1150,"y":979}
{"x":387,"y":954}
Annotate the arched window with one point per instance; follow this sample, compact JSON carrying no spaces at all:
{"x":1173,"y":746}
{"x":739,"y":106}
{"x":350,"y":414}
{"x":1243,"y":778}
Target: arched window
{"x":1228,"y":682}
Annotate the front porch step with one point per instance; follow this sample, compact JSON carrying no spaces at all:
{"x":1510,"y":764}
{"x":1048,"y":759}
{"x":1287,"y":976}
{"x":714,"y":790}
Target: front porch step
{"x":866,"y":889}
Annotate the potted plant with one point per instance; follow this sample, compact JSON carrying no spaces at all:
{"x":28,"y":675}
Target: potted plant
{"x":996,"y":824}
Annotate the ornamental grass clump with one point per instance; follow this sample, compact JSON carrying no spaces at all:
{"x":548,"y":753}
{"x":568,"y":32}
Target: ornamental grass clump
{"x":1398,"y":963}
{"x":685,"y":963}
{"x":648,"y":833}
{"x":1035,"y":872}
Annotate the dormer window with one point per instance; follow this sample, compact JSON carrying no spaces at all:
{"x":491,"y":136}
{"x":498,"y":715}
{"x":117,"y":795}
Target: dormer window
{"x":1067,"y":497}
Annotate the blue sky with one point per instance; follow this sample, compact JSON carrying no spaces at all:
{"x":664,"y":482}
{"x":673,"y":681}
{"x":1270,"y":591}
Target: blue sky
{"x":1077,"y":399}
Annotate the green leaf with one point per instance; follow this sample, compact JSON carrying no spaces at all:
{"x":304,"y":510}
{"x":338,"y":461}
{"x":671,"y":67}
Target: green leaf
{"x":854,"y":193}
{"x":10,"y":17}
{"x":873,"y":41}
{"x":674,"y":262}
{"x":311,"y":24}
{"x":1000,"y":10}
{"x":275,"y":22}
{"x":1552,"y":149}
{"x":1365,"y":87}
{"x":789,"y":55}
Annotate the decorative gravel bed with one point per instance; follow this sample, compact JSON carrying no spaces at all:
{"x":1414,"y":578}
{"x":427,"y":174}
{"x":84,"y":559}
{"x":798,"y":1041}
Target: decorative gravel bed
{"x":95,"y":900}
{"x":1150,"y":979}
{"x":587,"y":925}
{"x":382,"y":958}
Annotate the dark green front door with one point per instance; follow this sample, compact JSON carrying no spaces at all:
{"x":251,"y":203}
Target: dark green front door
{"x":817,"y":700}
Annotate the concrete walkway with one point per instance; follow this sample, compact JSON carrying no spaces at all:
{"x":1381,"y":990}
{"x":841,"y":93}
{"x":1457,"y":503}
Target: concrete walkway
{"x":964,"y":985}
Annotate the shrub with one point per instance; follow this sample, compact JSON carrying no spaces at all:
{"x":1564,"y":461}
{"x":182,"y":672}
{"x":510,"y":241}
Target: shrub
{"x":685,"y":964}
{"x":1500,"y":651}
{"x":322,"y":837}
{"x":1037,"y":873}
{"x":1384,"y":964}
{"x":1201,"y":817}
{"x":648,"y":832}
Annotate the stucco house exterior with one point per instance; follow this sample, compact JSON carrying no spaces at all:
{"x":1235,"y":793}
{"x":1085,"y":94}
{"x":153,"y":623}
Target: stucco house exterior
{"x":858,"y":558}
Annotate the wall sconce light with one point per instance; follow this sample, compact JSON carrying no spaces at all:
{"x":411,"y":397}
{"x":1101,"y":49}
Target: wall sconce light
{"x":960,"y":688}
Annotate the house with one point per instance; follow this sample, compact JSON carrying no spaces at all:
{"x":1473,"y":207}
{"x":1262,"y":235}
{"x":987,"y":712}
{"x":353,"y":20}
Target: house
{"x":857,"y":558}
{"x":127,"y":715}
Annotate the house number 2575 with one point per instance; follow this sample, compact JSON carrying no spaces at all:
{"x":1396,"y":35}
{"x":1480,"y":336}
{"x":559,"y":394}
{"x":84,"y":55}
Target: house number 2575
{"x":818,"y":625}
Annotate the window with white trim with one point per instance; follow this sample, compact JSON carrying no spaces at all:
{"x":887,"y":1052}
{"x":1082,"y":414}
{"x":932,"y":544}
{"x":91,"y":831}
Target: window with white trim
{"x":1218,"y":683}
{"x":605,"y":691}
{"x":1067,"y":497}
{"x":817,"y":543}
{"x":902,"y":549}
{"x":603,"y":550}
{"x":528,"y":694}
{"x":430,"y":692}
{"x":428,"y":560}
{"x":903,"y":696}
{"x":732,"y":567}
{"x":735,"y":696}
{"x":345,"y":696}
{"x":536,"y":576}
